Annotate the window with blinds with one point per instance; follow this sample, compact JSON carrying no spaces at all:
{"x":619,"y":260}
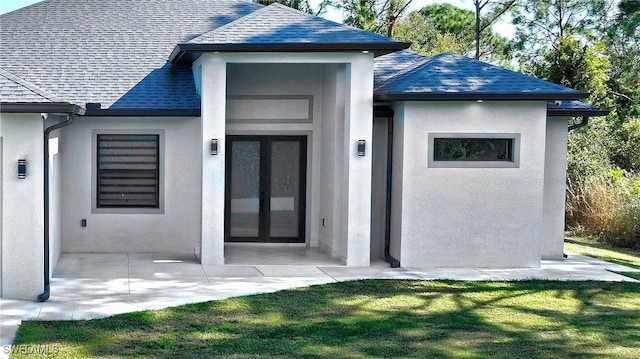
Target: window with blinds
{"x":128,"y":171}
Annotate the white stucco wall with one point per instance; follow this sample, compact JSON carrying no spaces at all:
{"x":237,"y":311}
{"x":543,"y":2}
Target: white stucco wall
{"x":555,"y":187}
{"x":470,"y":217}
{"x":359,"y":126}
{"x":212,"y":170}
{"x":1,"y":204}
{"x":327,"y":159}
{"x":379,"y":187}
{"x":22,"y":206}
{"x":175,"y":228}
{"x":55,"y":205}
{"x":333,"y":208}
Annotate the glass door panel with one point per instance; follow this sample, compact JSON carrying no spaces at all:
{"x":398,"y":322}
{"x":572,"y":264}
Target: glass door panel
{"x":244,"y":213}
{"x":285,"y":189}
{"x":265,"y":189}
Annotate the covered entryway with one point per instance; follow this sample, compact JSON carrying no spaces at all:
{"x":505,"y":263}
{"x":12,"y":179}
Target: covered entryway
{"x":266,"y":189}
{"x":286,"y":171}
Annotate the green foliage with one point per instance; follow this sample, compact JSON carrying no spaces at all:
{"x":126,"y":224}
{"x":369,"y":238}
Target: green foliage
{"x":302,"y":5}
{"x":587,"y":45}
{"x":588,"y":151}
{"x":361,"y":14}
{"x":442,"y":28}
{"x":425,"y":37}
{"x":578,"y":65}
{"x":540,"y":24}
{"x":452,"y":19}
{"x":629,"y":18}
{"x":374,"y":15}
{"x":626,"y":152}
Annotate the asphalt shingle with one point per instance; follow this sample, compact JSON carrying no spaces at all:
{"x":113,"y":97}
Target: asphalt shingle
{"x":278,"y":24}
{"x":15,"y":89}
{"x":449,"y":76}
{"x":116,"y":53}
{"x":111,"y":52}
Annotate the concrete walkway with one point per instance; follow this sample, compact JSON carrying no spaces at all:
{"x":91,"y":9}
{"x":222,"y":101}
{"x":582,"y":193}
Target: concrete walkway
{"x":92,"y":285}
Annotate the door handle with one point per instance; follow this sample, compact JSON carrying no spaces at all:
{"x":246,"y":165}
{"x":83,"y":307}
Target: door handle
{"x":261,"y":201}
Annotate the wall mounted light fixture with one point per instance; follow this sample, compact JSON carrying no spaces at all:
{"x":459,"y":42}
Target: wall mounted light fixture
{"x":361,"y":147}
{"x":22,"y":169}
{"x":214,"y":146}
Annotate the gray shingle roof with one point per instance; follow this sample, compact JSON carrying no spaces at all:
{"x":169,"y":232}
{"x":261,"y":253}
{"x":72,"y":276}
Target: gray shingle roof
{"x":116,"y":53}
{"x":385,"y":67}
{"x":112,"y":52}
{"x":15,"y":89}
{"x":450,"y":76}
{"x":277,"y":27}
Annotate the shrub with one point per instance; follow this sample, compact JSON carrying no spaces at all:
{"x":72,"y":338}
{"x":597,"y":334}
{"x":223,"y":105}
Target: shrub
{"x":607,"y":205}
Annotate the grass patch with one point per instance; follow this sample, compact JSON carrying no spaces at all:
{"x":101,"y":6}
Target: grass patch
{"x":591,"y":246}
{"x":372,"y":318}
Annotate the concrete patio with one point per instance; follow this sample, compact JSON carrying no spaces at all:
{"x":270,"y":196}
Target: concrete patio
{"x":97,"y":285}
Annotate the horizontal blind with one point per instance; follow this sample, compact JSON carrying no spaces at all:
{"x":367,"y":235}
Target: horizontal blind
{"x":128,"y":171}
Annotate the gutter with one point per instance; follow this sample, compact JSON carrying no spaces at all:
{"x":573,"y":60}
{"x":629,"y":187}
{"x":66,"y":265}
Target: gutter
{"x":381,"y":95}
{"x":394,"y":263}
{"x":47,"y":132}
{"x":584,"y":122}
{"x":188,"y":52}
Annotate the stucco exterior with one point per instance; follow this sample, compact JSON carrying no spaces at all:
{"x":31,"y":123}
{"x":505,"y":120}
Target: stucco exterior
{"x":244,"y":69}
{"x":174,"y":228}
{"x":555,"y":179}
{"x":468,"y":217}
{"x":22,"y":206}
{"x":340,"y":88}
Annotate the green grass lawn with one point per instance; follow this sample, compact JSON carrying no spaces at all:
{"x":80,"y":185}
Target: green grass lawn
{"x":419,"y":319}
{"x":590,"y":246}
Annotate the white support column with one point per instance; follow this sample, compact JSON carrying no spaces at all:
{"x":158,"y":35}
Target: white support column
{"x":555,"y":177}
{"x":23,"y":207}
{"x":359,"y":126}
{"x":213,"y":97}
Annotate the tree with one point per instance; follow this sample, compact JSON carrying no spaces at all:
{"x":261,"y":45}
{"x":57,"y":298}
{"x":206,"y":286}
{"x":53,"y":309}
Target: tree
{"x":541,"y":24}
{"x":425,"y":37}
{"x":623,"y":41}
{"x":498,"y":9}
{"x":449,"y":28}
{"x":302,"y":5}
{"x":374,"y":15}
{"x":578,"y":65}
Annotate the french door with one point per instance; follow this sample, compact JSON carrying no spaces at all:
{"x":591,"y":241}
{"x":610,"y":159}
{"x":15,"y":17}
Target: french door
{"x":265,"y":189}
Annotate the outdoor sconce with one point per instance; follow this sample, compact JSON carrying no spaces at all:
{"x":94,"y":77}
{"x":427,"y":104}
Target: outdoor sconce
{"x":214,"y":146}
{"x":361,"y":147}
{"x":22,"y":169}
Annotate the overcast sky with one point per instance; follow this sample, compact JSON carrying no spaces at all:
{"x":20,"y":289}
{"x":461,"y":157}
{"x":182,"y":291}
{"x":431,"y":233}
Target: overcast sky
{"x":501,"y":27}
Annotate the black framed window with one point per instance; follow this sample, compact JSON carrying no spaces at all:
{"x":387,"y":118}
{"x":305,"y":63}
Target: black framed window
{"x":473,"y":149}
{"x":128,"y":171}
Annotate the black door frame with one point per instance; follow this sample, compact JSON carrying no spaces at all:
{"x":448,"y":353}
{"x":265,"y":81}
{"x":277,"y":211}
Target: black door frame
{"x":265,"y":189}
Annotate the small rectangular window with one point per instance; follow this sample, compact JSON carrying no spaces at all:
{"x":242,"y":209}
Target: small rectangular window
{"x":128,"y":171}
{"x":473,"y":149}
